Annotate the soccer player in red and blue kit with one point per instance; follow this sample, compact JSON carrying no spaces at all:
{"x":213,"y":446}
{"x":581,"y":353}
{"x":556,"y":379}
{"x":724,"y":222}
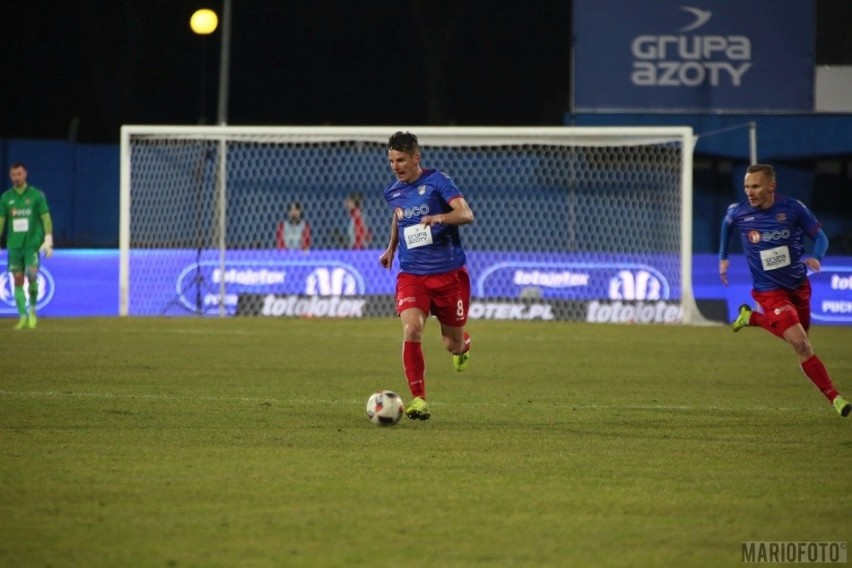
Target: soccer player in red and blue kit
{"x":773,"y":229}
{"x":428,"y":209}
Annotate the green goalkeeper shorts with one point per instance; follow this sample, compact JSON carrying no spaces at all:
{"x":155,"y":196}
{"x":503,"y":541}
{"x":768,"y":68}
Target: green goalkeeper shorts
{"x":20,"y":258}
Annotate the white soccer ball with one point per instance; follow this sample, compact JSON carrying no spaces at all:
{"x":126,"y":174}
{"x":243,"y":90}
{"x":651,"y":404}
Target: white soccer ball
{"x":385,"y":408}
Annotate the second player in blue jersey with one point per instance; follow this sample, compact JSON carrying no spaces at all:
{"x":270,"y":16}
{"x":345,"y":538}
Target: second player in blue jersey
{"x":773,"y":228}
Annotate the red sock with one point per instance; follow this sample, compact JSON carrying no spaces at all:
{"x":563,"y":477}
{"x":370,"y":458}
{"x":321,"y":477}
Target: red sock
{"x":466,"y":342}
{"x":815,"y":371}
{"x":415,"y":368}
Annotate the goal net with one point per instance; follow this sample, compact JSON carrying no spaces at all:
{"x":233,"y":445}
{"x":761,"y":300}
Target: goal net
{"x":574,"y":223}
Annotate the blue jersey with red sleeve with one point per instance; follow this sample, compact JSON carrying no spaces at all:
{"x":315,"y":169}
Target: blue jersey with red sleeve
{"x":773,"y":241}
{"x":426,"y":250}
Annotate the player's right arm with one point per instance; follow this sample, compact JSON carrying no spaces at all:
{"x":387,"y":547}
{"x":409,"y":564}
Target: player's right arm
{"x":725,"y":235}
{"x":387,"y":257}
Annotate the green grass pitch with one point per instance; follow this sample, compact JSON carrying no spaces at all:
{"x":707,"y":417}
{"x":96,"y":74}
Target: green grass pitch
{"x":243,"y":442}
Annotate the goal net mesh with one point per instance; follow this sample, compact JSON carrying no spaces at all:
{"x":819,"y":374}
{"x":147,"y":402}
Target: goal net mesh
{"x":584,"y":221}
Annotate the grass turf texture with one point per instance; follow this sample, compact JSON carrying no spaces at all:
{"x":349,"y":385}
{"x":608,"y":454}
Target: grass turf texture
{"x":244,"y":442}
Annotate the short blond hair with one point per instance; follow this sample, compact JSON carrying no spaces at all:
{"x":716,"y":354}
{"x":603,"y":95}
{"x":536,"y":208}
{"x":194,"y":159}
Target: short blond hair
{"x":764,"y":169}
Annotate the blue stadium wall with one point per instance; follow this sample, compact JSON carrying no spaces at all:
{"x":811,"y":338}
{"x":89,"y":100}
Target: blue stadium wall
{"x":812,"y":155}
{"x":82,"y":183}
{"x":82,"y":180}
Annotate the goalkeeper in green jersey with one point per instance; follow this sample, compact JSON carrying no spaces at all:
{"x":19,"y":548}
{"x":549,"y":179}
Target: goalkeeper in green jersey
{"x":23,"y":209}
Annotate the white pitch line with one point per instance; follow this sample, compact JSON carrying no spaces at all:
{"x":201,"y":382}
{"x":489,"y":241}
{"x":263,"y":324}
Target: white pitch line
{"x":290,"y":402}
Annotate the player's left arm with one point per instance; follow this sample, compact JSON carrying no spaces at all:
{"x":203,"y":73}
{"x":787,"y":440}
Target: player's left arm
{"x":814,"y":262}
{"x":47,"y":245}
{"x":460,"y":214}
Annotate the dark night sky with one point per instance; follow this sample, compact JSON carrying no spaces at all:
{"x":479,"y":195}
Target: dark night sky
{"x":82,"y":68}
{"x":91,"y":66}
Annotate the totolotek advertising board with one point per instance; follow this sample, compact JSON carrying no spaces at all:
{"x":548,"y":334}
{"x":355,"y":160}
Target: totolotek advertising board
{"x":532,"y":286}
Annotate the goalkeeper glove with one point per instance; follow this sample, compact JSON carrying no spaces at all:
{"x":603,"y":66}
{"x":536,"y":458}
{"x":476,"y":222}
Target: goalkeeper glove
{"x":47,"y":246}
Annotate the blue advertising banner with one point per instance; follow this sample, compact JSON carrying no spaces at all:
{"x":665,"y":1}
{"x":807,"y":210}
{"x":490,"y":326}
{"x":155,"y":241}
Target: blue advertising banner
{"x":194,"y":281}
{"x":705,"y":56}
{"x":80,"y":283}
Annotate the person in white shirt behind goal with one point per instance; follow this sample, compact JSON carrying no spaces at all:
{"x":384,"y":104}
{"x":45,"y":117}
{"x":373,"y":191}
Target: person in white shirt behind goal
{"x":294,"y":232}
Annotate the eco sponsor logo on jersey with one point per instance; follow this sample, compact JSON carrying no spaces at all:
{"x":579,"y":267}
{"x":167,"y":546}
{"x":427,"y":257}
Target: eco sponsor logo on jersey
{"x":46,"y":290}
{"x":755,"y":237}
{"x":408,"y":212}
{"x":693,"y":60}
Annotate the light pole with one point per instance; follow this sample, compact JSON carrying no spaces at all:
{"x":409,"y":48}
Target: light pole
{"x":224,"y":64}
{"x":203,"y":22}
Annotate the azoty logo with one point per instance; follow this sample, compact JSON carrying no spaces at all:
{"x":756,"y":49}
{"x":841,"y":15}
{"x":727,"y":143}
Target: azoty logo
{"x":638,"y":285}
{"x":692,"y":60}
{"x":701,"y":18}
{"x":334,"y":281}
{"x":46,"y":288}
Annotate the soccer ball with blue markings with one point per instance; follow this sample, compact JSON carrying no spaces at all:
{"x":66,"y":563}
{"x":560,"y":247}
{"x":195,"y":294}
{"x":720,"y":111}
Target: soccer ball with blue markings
{"x":385,"y":408}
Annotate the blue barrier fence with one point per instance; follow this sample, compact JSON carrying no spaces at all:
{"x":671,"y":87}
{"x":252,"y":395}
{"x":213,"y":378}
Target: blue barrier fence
{"x":81,"y":283}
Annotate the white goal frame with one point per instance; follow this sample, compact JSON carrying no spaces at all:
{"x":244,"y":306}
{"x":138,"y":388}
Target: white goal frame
{"x":467,"y":136}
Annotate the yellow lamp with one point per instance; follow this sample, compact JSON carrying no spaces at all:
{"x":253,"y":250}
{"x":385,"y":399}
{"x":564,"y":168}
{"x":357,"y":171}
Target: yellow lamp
{"x":204,"y":21}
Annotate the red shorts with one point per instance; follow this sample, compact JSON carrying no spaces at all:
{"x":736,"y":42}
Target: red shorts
{"x":445,"y":295}
{"x":786,"y":308}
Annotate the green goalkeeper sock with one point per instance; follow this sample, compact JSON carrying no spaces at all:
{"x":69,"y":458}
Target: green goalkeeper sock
{"x":20,"y":300}
{"x":33,"y":297}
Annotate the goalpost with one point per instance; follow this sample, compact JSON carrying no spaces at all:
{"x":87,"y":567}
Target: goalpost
{"x":583,"y":223}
